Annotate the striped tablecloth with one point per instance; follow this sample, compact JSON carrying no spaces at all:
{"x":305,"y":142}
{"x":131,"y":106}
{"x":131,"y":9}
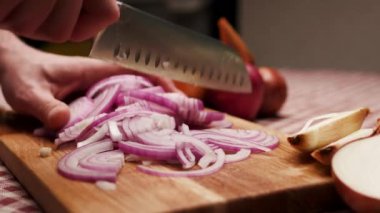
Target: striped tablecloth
{"x":311,"y":93}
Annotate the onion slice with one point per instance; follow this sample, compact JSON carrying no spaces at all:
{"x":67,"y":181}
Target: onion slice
{"x":127,"y":82}
{"x":220,"y":158}
{"x":238,"y":156}
{"x":69,"y":166}
{"x":111,"y":161}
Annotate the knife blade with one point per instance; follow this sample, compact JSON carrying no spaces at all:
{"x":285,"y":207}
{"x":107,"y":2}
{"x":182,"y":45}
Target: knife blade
{"x":148,"y":44}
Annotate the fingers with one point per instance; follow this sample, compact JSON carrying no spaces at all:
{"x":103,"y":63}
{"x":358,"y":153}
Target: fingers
{"x":6,"y":7}
{"x":28,"y":16}
{"x":52,"y":112}
{"x":57,"y":20}
{"x":95,"y":15}
{"x":60,"y":24}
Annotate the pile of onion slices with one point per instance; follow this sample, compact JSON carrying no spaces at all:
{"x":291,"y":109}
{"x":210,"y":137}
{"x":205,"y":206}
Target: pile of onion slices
{"x":127,"y":118}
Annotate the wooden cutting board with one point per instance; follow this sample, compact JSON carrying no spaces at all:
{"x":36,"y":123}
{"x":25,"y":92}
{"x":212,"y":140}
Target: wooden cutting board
{"x":280,"y":181}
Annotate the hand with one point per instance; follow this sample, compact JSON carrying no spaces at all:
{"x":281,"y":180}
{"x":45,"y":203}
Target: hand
{"x":34,"y":82}
{"x":57,"y":20}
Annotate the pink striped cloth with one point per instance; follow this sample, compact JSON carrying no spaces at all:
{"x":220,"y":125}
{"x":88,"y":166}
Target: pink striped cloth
{"x":311,"y":93}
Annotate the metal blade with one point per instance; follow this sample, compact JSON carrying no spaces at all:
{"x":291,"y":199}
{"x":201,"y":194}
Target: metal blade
{"x":142,"y":42}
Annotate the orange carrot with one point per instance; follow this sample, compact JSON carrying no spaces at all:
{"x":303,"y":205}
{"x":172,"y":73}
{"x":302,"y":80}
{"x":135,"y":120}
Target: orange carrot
{"x":230,"y":37}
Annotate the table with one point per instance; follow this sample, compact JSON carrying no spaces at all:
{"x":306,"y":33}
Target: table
{"x":311,"y":93}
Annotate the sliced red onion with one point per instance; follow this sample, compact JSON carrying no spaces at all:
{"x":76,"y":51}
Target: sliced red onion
{"x":110,"y":161}
{"x":114,"y":116}
{"x":189,"y":153}
{"x":135,"y":106}
{"x":234,"y":140}
{"x":105,"y":100}
{"x":79,"y":110}
{"x":141,"y":124}
{"x":99,"y":134}
{"x":147,"y":151}
{"x":240,"y":155}
{"x":184,"y":129}
{"x":126,"y":82}
{"x":220,"y":157}
{"x":158,"y":137}
{"x":155,"y":98}
{"x":184,"y":101}
{"x":156,"y":89}
{"x":270,"y":141}
{"x":114,"y":131}
{"x":69,"y":167}
{"x":184,"y":155}
{"x":206,"y":117}
{"x":126,"y":101}
{"x":234,"y":133}
{"x":232,"y":146}
{"x":72,"y":133}
{"x":142,"y":120}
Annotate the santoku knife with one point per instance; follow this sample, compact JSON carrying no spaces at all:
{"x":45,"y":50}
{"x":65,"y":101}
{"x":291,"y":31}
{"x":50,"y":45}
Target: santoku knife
{"x":145,"y":43}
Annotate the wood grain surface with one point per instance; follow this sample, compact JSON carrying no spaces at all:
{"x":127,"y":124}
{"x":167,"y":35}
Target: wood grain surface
{"x":279,"y":181}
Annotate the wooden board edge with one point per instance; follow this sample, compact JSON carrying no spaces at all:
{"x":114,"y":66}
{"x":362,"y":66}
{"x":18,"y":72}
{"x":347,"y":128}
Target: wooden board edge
{"x":48,"y":201}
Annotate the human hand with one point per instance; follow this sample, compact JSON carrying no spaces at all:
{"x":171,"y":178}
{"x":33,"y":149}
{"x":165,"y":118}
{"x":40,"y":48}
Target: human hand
{"x":57,"y":20}
{"x":34,"y":82}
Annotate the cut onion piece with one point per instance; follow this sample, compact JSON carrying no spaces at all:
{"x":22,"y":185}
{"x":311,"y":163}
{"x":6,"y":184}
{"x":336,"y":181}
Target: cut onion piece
{"x":184,"y":141}
{"x":126,"y":82}
{"x":186,"y":161}
{"x":234,"y":133}
{"x":147,"y":123}
{"x":158,"y":137}
{"x":238,"y":156}
{"x":110,"y":161}
{"x":79,"y":110}
{"x":105,"y":100}
{"x":147,"y":151}
{"x":100,"y":134}
{"x":113,"y":116}
{"x":155,"y":98}
{"x":234,"y":144}
{"x":220,"y":157}
{"x":73,"y":132}
{"x":69,"y":167}
{"x":156,"y":89}
{"x":114,"y":131}
{"x":105,"y":185}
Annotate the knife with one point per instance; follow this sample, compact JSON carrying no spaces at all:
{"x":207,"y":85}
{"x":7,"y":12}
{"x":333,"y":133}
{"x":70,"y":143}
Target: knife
{"x":148,"y":44}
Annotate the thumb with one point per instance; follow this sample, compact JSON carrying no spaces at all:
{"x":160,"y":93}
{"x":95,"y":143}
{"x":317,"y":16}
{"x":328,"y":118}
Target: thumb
{"x":53,"y":113}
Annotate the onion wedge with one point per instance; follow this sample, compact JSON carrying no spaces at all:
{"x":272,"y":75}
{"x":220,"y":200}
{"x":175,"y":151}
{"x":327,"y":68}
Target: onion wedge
{"x":328,"y":130}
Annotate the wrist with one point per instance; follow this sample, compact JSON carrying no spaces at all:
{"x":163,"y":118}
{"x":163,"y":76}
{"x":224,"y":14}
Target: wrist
{"x":9,"y":42}
{"x":11,"y":47}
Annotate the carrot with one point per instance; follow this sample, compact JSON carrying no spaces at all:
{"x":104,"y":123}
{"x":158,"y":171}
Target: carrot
{"x":230,"y":37}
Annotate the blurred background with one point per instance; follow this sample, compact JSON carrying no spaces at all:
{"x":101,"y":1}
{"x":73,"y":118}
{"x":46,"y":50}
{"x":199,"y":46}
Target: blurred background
{"x":305,"y":34}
